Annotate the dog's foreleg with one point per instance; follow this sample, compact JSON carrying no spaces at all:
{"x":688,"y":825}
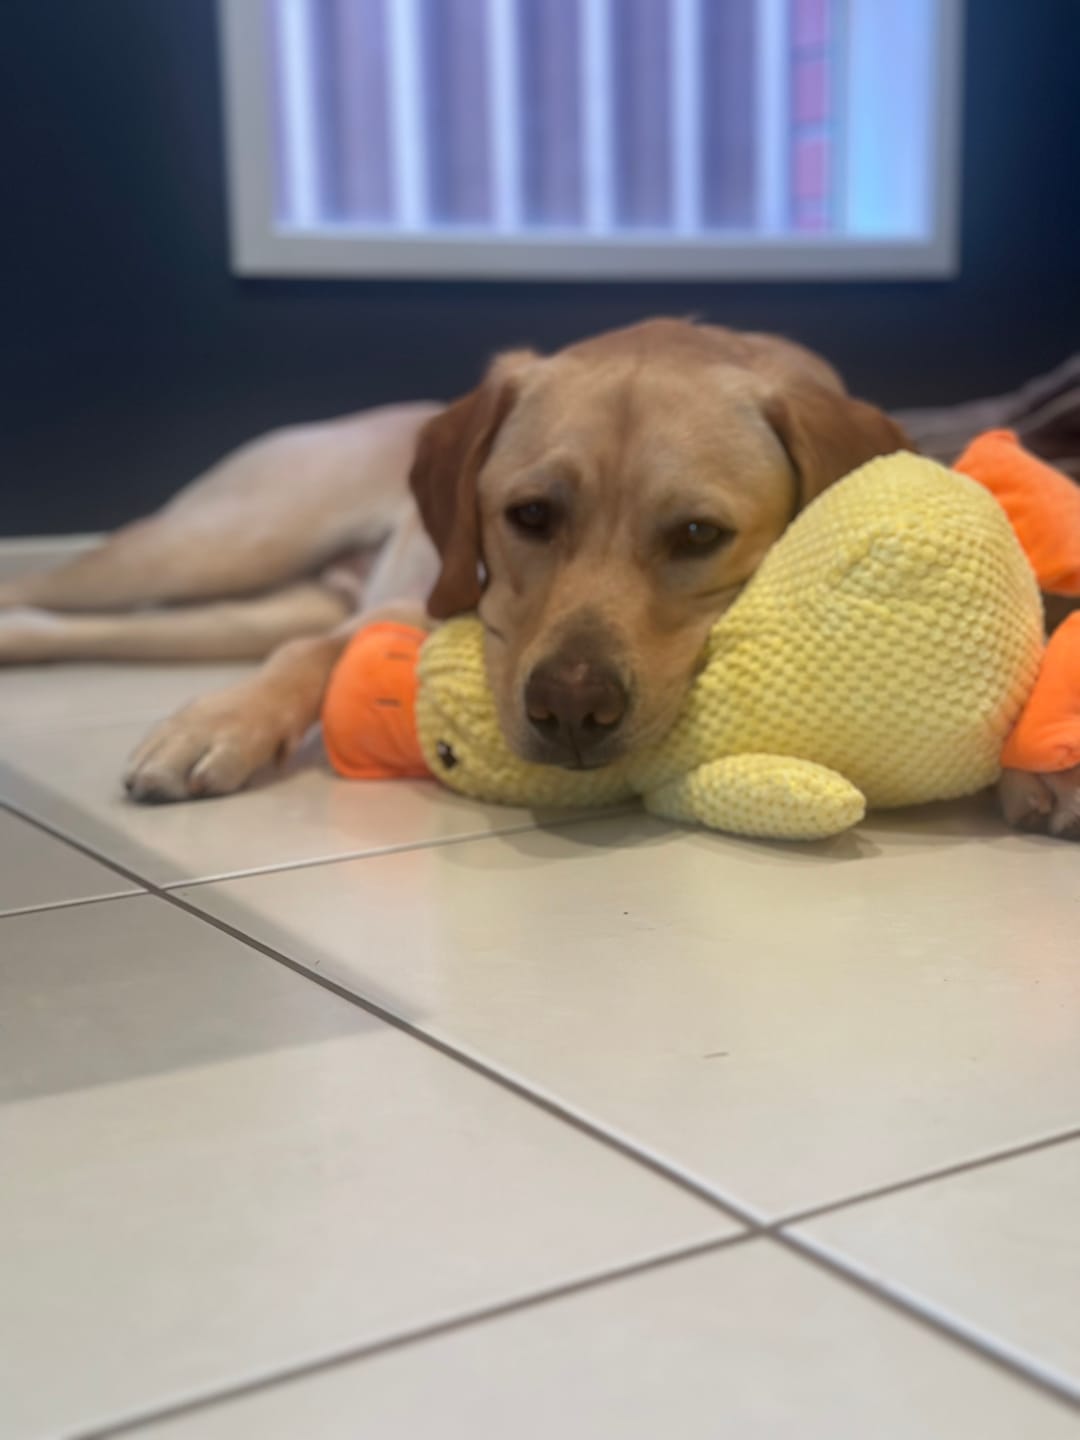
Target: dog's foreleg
{"x":216,"y":744}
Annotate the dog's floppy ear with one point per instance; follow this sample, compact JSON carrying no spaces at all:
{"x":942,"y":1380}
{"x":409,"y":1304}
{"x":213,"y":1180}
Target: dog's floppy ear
{"x":450,"y":453}
{"x":826,"y":433}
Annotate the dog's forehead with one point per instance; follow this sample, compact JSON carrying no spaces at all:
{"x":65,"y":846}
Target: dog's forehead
{"x":555,"y":410}
{"x":721,"y":428}
{"x":640,"y":384}
{"x":642,"y":416}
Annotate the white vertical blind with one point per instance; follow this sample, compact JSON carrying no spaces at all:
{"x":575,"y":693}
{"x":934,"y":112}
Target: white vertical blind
{"x":687,"y":155}
{"x":596,"y":101}
{"x":406,"y":131}
{"x":774,"y":84}
{"x":593,"y":119}
{"x":298,"y":112}
{"x":505,"y":130}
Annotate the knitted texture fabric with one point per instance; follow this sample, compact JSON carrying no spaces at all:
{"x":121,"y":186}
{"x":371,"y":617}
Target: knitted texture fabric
{"x":769,"y":796}
{"x":463,"y":743}
{"x":887,"y":645}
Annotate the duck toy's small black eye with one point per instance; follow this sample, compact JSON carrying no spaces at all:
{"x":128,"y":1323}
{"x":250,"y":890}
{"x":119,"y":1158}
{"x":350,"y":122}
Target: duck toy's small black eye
{"x":446,"y":756}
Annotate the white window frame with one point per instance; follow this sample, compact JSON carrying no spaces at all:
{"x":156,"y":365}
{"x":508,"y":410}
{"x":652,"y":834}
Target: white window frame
{"x":261,"y":247}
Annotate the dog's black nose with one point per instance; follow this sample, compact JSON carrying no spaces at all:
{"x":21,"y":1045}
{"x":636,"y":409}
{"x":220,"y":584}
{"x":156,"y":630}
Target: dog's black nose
{"x":575,"y":706}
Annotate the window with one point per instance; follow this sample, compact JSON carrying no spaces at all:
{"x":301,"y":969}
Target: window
{"x":602,"y":138}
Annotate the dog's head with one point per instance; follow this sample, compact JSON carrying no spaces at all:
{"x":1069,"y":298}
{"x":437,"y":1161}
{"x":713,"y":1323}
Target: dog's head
{"x":601,"y":507}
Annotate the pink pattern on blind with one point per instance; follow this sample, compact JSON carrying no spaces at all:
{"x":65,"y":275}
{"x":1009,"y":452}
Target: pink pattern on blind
{"x":399,"y":115}
{"x":812,"y":169}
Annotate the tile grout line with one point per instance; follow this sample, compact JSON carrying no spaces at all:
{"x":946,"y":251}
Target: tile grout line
{"x":285,"y":866}
{"x":755,"y":1228}
{"x":48,"y":905}
{"x":470,"y":1062}
{"x":166,"y":892}
{"x":944,"y":1326}
{"x":548,"y":1105}
{"x":701,"y":1190}
{"x":325,"y":861}
{"x":407,"y":1338}
{"x":928,"y":1177}
{"x":163,"y":887}
{"x":405,"y":847}
{"x":147,"y":886}
{"x":397,"y":1022}
{"x":970,"y":1342}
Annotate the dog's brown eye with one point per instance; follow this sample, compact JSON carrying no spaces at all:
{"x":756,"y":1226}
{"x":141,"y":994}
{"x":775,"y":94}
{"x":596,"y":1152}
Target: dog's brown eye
{"x":698,"y":537}
{"x":534,"y":518}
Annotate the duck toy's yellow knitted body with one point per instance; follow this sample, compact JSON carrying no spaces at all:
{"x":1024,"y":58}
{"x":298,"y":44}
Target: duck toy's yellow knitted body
{"x":880,"y":657}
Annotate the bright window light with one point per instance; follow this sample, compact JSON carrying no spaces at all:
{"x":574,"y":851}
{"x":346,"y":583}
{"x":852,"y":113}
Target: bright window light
{"x":621,"y":138}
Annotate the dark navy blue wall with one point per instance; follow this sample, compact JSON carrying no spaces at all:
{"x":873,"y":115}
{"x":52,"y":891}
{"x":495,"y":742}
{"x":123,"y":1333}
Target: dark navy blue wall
{"x":132,"y":358}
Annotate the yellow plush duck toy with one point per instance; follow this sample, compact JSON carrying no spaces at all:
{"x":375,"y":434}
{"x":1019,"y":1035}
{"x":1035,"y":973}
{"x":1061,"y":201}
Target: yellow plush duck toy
{"x":880,"y":657}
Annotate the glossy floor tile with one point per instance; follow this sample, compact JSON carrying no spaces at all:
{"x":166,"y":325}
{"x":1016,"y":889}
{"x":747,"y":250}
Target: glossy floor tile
{"x":215,"y":1170}
{"x":37,"y":871}
{"x":305,"y":815}
{"x":35,"y":698}
{"x":216,"y":1174}
{"x":996,"y":1249}
{"x":749,"y":1342}
{"x":790,"y":1026}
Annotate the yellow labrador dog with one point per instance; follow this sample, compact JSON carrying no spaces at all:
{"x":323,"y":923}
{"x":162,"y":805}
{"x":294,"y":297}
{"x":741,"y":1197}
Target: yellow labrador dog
{"x":599,"y":507}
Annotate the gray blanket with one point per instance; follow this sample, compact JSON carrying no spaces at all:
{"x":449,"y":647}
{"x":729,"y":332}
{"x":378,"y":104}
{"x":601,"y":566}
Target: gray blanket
{"x":1045,"y":414}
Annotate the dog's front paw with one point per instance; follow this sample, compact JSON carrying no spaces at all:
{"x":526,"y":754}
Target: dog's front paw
{"x":211,"y":747}
{"x":1048,"y":804}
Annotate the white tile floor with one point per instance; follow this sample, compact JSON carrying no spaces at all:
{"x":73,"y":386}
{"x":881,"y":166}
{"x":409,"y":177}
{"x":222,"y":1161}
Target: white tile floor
{"x":593,"y":1128}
